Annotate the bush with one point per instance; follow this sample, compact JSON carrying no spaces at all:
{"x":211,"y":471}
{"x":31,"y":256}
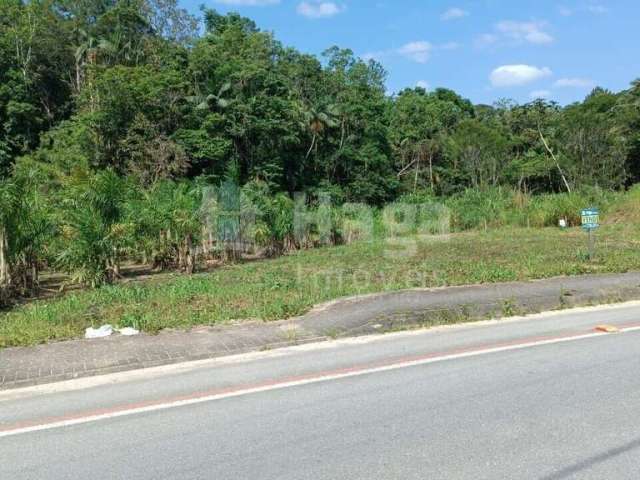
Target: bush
{"x":627,"y":210}
{"x":498,"y":207}
{"x":475,"y":209}
{"x":547,"y":210}
{"x":93,"y":234}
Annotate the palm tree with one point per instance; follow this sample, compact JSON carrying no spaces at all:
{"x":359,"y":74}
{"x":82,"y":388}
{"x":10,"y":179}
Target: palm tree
{"x":85,"y":54}
{"x":9,"y":200}
{"x":93,"y":230}
{"x":212,"y":102}
{"x":24,"y":229}
{"x":166,"y":220}
{"x":317,"y":120}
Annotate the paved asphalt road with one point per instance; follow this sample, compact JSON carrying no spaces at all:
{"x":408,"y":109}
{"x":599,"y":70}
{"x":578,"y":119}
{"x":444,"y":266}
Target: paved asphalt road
{"x":542,"y":398}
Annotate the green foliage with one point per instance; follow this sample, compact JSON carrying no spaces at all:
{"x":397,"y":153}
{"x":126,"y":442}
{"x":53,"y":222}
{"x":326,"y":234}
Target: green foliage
{"x":93,"y":234}
{"x":290,"y":285}
{"x":34,"y":64}
{"x":26,"y":228}
{"x":627,"y":209}
{"x":130,"y":86}
{"x":273,"y":217}
{"x":122,"y":127}
{"x":547,"y":210}
{"x":166,"y":221}
{"x":482,"y":151}
{"x":596,"y":152}
{"x":498,"y":207}
{"x":475,"y":209}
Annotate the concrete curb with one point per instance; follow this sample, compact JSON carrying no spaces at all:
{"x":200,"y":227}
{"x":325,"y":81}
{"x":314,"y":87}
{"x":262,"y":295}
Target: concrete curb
{"x":353,"y":316}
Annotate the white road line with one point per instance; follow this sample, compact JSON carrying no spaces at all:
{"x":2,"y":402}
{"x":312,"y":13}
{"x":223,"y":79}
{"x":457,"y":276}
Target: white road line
{"x":296,"y":383}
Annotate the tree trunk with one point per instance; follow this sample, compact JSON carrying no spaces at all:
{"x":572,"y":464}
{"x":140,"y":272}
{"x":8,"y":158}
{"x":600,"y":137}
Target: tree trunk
{"x":35,"y":274}
{"x":546,"y":145}
{"x":189,"y":263}
{"x":431,"y":170}
{"x":313,"y":143}
{"x":78,"y":76}
{"x":5,"y":274}
{"x":116,"y":269}
{"x":180,"y":258}
{"x":24,"y":277}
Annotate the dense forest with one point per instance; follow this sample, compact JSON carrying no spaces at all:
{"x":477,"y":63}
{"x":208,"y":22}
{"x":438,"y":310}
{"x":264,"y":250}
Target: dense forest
{"x":116,"y":114}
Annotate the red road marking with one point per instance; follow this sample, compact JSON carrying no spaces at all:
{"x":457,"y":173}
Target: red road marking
{"x":298,"y":378}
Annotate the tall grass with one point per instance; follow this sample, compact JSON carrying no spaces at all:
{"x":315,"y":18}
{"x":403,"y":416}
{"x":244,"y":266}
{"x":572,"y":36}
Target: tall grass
{"x":500,"y":207}
{"x":171,"y":227}
{"x":627,"y":208}
{"x":289,"y":285}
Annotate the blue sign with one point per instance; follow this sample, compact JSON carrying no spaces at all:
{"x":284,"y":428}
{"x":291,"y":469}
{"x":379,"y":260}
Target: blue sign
{"x":590,"y":218}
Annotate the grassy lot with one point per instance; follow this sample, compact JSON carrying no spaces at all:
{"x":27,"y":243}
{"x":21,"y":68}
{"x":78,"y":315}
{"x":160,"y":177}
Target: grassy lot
{"x":291,"y":285}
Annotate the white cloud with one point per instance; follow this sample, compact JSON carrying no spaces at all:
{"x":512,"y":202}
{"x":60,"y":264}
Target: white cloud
{"x":531,"y":32}
{"x":373,"y":56}
{"x":536,"y":94}
{"x":418,"y":52}
{"x":486,"y":40}
{"x":249,"y":3}
{"x":454,"y":13}
{"x":565,"y":11}
{"x":597,"y":9}
{"x":319,"y":9}
{"x":510,"y":32}
{"x":516,"y":75}
{"x":423,"y":84}
{"x":449,"y":46}
{"x":574,"y":83}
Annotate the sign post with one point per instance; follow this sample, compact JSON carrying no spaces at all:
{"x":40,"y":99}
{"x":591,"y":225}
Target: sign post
{"x":590,"y":222}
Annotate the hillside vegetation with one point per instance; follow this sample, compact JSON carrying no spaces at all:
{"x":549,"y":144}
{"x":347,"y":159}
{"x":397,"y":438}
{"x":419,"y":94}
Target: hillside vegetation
{"x":137,"y":137}
{"x":290,"y":285}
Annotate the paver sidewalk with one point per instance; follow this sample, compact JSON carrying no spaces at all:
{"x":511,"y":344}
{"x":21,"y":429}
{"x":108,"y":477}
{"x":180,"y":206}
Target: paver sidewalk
{"x":349,"y":317}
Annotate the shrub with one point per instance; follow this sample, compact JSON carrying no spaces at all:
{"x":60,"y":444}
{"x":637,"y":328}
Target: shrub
{"x":475,"y":209}
{"x":627,"y":209}
{"x":547,"y":210}
{"x":93,"y":231}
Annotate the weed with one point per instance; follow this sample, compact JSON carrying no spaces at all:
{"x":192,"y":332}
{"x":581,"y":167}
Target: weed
{"x":332,"y":333}
{"x":291,"y":334}
{"x":290,"y":285}
{"x":509,"y":308}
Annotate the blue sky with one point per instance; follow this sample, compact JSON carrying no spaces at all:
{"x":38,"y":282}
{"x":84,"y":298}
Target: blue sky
{"x":483,"y":49}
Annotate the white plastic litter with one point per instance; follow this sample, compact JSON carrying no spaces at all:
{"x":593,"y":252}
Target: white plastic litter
{"x":128,"y":331}
{"x":103,"y":331}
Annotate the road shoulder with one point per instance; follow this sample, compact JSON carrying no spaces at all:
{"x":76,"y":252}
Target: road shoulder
{"x":356,"y":316}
